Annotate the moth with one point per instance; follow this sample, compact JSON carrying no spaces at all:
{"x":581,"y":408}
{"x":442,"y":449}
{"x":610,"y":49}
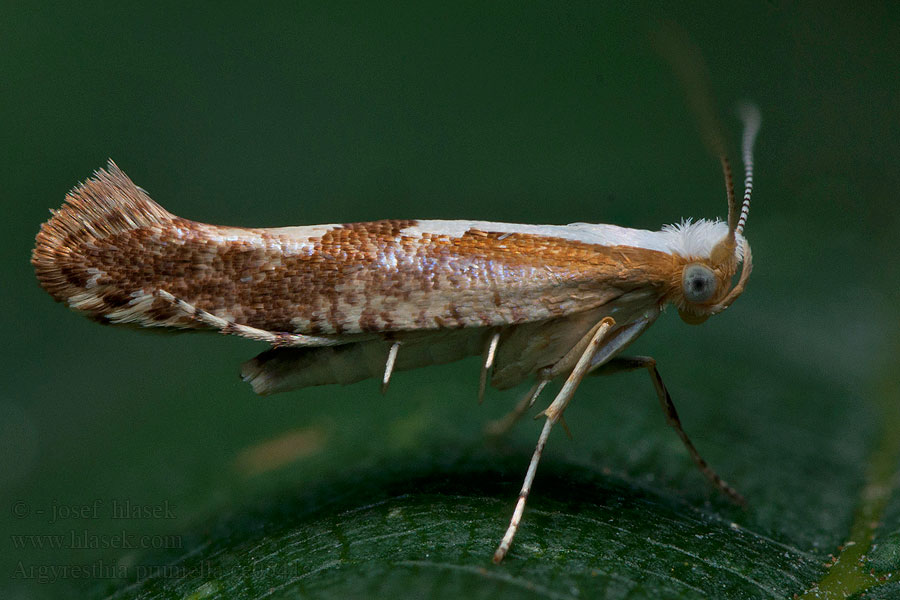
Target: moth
{"x":345,"y":302}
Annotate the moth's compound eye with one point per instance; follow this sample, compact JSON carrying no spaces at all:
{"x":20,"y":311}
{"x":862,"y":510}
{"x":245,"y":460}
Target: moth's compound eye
{"x":699,"y":283}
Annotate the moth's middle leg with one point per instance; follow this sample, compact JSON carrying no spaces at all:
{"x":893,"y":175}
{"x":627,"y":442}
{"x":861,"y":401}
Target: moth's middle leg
{"x":500,"y":427}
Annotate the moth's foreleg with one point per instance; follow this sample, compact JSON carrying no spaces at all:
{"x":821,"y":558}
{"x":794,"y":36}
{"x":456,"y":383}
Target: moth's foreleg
{"x":553,"y":413}
{"x":275,"y":338}
{"x":631,"y":363}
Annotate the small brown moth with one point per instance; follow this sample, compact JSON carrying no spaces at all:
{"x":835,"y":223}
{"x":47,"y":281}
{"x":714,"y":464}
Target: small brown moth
{"x":342,"y":303}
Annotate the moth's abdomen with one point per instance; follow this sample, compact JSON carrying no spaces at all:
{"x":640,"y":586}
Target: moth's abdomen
{"x":284,"y":369}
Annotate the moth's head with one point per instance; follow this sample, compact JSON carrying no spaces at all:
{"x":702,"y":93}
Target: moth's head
{"x":705,"y":286}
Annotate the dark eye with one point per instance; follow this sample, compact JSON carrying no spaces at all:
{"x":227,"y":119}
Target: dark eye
{"x":699,"y":283}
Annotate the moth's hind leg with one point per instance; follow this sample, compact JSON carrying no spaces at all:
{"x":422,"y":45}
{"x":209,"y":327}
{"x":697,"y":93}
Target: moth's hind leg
{"x":275,"y":338}
{"x":631,"y":363}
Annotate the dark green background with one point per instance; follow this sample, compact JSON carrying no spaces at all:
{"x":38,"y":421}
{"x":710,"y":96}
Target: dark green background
{"x":290,"y":115}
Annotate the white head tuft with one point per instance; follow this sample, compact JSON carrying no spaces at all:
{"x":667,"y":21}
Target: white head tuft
{"x":696,"y":239}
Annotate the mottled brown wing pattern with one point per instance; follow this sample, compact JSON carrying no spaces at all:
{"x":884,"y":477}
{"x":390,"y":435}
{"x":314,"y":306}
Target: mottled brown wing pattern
{"x":110,"y":248}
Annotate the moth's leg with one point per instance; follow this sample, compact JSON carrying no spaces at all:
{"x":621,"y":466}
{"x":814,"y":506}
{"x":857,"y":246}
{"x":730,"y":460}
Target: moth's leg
{"x":553,"y":414}
{"x":631,"y":363}
{"x":275,"y":338}
{"x":490,"y":350}
{"x":389,"y":366}
{"x":501,"y":426}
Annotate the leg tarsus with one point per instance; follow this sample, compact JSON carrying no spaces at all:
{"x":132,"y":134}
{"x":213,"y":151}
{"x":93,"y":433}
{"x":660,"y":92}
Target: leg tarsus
{"x":507,"y":540}
{"x":631,"y":363}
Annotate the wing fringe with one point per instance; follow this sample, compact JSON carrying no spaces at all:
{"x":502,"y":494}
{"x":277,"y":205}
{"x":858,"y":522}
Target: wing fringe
{"x":105,"y":205}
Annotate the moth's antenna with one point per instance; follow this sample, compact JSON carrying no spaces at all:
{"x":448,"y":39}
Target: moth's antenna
{"x":729,"y":192}
{"x":749,"y":114}
{"x":686,"y":61}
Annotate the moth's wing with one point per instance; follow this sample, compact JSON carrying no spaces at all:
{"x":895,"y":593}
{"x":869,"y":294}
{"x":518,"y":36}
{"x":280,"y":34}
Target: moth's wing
{"x":402,"y":276}
{"x":114,"y":254}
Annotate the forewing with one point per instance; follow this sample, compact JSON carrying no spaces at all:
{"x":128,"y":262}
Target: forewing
{"x":117,"y":256}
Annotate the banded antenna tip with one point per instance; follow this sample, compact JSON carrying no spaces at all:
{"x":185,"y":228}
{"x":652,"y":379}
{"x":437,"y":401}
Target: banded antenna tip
{"x":751,"y":117}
